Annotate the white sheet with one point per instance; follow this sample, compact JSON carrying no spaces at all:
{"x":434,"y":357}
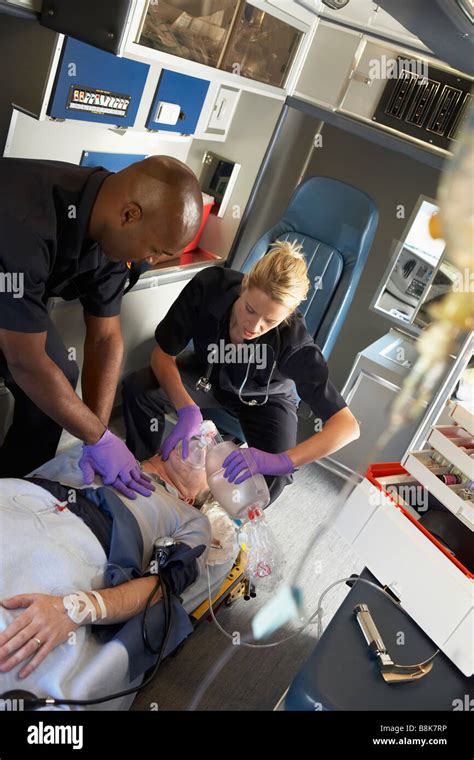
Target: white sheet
{"x":36,"y":556}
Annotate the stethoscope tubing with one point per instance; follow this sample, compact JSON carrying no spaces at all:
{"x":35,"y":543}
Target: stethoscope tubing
{"x":205,"y":385}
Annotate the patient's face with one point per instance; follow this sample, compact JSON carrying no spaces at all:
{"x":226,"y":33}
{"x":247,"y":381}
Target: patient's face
{"x":188,"y":480}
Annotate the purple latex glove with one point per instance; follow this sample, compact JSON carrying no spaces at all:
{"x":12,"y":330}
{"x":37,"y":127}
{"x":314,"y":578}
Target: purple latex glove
{"x":116,"y":465}
{"x":252,"y":461}
{"x":189,"y":422}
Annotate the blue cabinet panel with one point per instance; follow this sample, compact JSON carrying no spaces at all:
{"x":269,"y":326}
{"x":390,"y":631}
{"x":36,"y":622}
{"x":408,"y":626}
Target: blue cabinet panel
{"x":114,"y":162}
{"x":188,"y":92}
{"x":93,"y":85}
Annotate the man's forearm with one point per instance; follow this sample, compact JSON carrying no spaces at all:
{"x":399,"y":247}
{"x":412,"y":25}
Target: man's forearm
{"x":48,"y":388}
{"x":127,"y":600}
{"x":100,"y":374}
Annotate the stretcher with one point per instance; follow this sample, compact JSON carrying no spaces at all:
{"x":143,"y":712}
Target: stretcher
{"x":80,"y":672}
{"x":234,"y":586}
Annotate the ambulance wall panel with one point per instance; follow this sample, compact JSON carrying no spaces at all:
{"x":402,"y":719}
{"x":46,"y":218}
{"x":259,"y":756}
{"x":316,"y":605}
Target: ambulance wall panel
{"x":142,"y":310}
{"x":395,"y":182}
{"x":65,"y":141}
{"x":324,"y":73}
{"x":252,"y":127}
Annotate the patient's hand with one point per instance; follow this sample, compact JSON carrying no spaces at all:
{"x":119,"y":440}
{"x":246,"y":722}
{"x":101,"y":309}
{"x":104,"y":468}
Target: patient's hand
{"x":45,"y":619}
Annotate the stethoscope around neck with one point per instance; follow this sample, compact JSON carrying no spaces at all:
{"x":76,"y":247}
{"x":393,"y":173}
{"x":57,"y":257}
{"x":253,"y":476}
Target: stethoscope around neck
{"x":204,"y":382}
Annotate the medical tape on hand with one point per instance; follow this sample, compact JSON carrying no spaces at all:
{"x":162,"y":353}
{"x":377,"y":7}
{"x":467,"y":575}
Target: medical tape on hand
{"x":78,"y":606}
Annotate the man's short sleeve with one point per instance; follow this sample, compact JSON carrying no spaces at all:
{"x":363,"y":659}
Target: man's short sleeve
{"x":24,"y":269}
{"x":103,"y":289}
{"x":176,"y":329}
{"x":307,"y":367}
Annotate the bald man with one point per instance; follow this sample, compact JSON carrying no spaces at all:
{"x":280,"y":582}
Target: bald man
{"x":67,"y":231}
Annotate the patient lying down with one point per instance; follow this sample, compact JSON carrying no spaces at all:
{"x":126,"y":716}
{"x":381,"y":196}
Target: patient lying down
{"x":58,"y":540}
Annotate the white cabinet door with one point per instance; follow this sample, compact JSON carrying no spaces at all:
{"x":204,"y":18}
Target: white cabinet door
{"x":327,"y":66}
{"x":369,"y":399}
{"x":223,"y":109}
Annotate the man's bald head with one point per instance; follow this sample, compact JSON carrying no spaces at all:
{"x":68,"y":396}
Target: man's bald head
{"x":150,"y":209}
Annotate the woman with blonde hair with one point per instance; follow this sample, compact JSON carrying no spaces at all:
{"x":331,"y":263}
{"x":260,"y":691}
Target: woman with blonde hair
{"x":251,"y":349}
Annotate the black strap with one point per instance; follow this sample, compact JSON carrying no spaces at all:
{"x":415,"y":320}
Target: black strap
{"x":180,"y":569}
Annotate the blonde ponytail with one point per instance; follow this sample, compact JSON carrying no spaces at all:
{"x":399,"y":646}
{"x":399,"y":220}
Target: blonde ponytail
{"x":281,"y":274}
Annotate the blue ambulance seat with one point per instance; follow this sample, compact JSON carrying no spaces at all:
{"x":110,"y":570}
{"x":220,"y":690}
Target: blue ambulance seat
{"x":336,"y":224}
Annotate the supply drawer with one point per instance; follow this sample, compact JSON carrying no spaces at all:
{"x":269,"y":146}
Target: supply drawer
{"x":420,"y":464}
{"x":449,"y":441}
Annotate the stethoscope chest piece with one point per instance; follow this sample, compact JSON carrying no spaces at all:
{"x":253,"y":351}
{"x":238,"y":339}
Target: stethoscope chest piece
{"x":203,"y":384}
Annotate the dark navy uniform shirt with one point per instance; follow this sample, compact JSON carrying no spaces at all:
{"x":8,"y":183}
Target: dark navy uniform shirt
{"x":201,"y":313}
{"x":44,"y":250}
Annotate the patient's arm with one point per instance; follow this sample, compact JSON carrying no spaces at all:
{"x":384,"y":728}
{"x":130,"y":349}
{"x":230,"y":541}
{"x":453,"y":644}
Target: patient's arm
{"x":45,"y":618}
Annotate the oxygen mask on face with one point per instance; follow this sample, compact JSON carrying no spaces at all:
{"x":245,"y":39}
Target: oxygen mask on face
{"x":199,"y":445}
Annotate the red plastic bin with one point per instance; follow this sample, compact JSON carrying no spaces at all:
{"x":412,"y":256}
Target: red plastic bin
{"x":384,"y":469}
{"x":208,"y":202}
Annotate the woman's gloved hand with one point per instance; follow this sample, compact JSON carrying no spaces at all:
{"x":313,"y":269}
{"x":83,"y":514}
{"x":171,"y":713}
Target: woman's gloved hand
{"x":116,"y":465}
{"x":247,"y":462}
{"x":189,"y":422}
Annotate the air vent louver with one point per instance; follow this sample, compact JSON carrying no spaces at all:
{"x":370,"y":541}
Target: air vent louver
{"x":431,"y":108}
{"x":402,"y":93}
{"x":446,"y":110}
{"x":426,"y":91}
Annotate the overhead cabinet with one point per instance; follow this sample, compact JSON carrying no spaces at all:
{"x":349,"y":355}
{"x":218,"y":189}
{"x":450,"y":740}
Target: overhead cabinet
{"x":236,"y":37}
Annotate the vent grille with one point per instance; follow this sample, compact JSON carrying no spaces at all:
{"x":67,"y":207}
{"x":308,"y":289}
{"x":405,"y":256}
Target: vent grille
{"x":431,"y":107}
{"x":426,"y":91}
{"x":446,"y":109}
{"x":402,"y":93}
{"x":460,"y":118}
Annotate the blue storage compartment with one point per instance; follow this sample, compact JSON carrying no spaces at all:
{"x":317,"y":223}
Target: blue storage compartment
{"x":187,"y":92}
{"x":114,"y":162}
{"x":93,"y":85}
